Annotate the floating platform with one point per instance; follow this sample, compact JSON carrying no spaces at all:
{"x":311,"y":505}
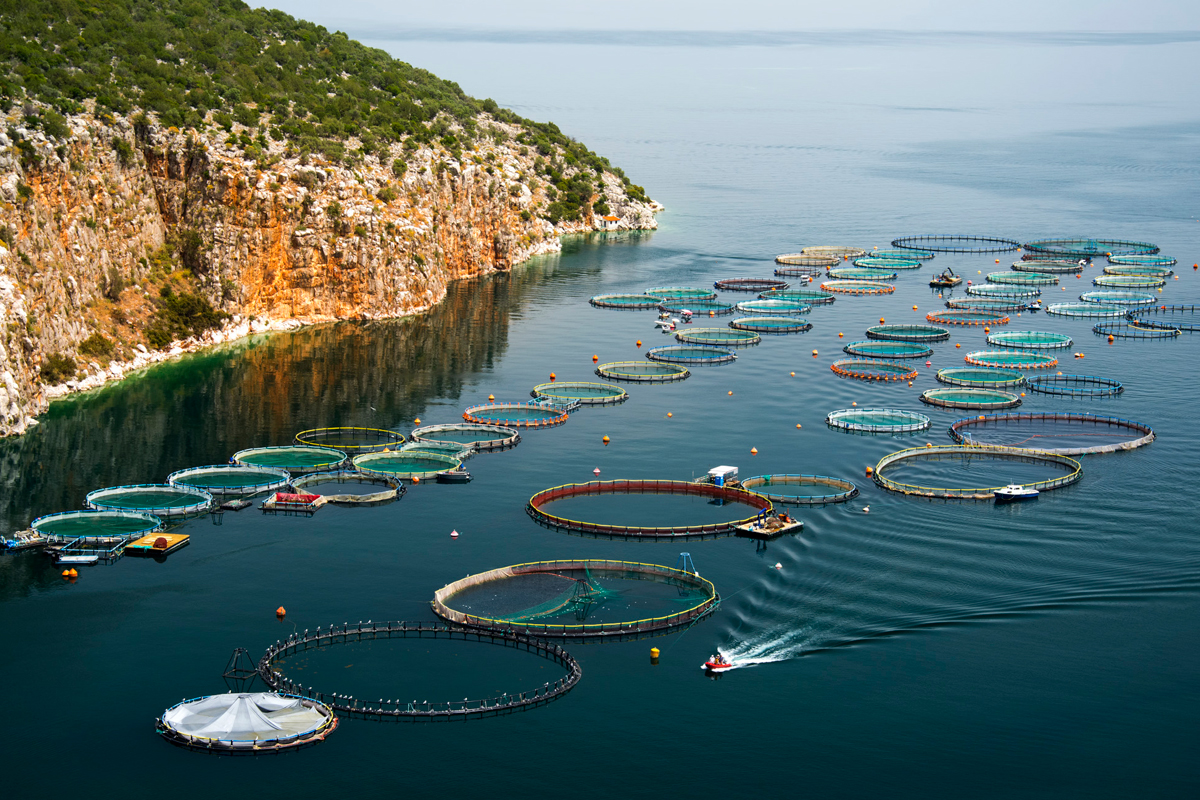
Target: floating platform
{"x":155,"y":544}
{"x":293,"y":504}
{"x":756,"y":530}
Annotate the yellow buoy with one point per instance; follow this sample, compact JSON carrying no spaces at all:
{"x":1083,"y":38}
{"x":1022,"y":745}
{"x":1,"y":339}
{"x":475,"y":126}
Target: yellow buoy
{"x":914,"y":308}
{"x":928,"y":444}
{"x":712,"y":313}
{"x":417,"y":420}
{"x":491,"y":397}
{"x":606,"y":440}
{"x":910,"y":383}
{"x":793,"y":374}
{"x":840,"y":335}
{"x":814,"y":353}
{"x":653,"y":655}
{"x":753,"y":451}
{"x":797,"y":425}
{"x":669,"y":414}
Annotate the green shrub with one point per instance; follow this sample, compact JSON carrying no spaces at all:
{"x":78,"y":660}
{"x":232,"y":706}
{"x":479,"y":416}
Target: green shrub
{"x":96,"y":346}
{"x":123,"y":150}
{"x":387,"y":194}
{"x":114,"y":284}
{"x":179,"y":316}
{"x":57,"y":368}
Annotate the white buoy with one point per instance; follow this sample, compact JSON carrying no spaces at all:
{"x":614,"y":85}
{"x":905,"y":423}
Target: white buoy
{"x":866,"y":509}
{"x":453,"y":534}
{"x":778,"y":565}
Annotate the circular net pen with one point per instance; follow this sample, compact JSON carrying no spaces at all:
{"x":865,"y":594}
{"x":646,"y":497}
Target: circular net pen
{"x":1010,"y":359}
{"x":351,"y":441}
{"x":1055,"y":266}
{"x":471,"y":435}
{"x":405,"y":465}
{"x":801,"y":272}
{"x":858,"y":287}
{"x":981,"y":377}
{"x":907,"y":255}
{"x":966,"y":316}
{"x":970,"y":398}
{"x":1089,"y":248}
{"x":954,"y":243}
{"x":1185,"y":318}
{"x":681,"y":293}
{"x":369,"y":495}
{"x":245,"y":723}
{"x":863,"y":273}
{"x":1145,"y":270}
{"x":1065,"y":434}
{"x":160,"y":499}
{"x":1022,"y":278}
{"x":1068,"y":469}
{"x":772,"y":324}
{"x":833,"y":250}
{"x":908,"y":333}
{"x":1130,"y":330}
{"x":1115,"y":297}
{"x":681,"y":305}
{"x":270,"y":669}
{"x":108,"y":525}
{"x":987,"y":303}
{"x":883,"y":263}
{"x":812,"y":297}
{"x":877,"y":420}
{"x":721,"y":337}
{"x":749,"y":284}
{"x":1029,"y":340}
{"x":642,"y":372}
{"x":296,"y":459}
{"x":631,"y":302}
{"x":802,"y":490}
{"x":1003,"y":291}
{"x":885,"y":349}
{"x":817,"y":262}
{"x":689,"y":354}
{"x":1143,"y":260}
{"x":774,"y":306}
{"x":1093,"y":310}
{"x":554,"y":598}
{"x":872,"y":370}
{"x":1075,"y":386}
{"x":583,"y":392}
{"x":752,"y":506}
{"x":1129,"y":281}
{"x":232,"y":479}
{"x":515,"y":415}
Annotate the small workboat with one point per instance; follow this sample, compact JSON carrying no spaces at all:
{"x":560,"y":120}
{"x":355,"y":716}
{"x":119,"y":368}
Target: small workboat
{"x":454,"y":476}
{"x":718,"y":663}
{"x":1014,"y":492}
{"x":947,"y":278}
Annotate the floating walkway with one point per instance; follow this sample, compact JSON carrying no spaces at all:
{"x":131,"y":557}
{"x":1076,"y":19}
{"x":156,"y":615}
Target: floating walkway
{"x":721,"y":337}
{"x":405,"y":465}
{"x":749,"y":284}
{"x":627,"y":302}
{"x":772,"y":324}
{"x":767,"y":307}
{"x":1011,"y":359}
{"x":888,"y":349}
{"x":812,"y":297}
{"x":807,"y":260}
{"x":1022,"y":278}
{"x":858,"y":287}
{"x":1093,"y":310}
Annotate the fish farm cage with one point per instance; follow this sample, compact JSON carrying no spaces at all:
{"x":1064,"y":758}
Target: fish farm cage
{"x":1075,"y":385}
{"x":798,"y":490}
{"x":240,"y":723}
{"x":583,"y":590}
{"x":1093,"y":310}
{"x":1184,"y":317}
{"x":687,"y":304}
{"x":803,"y":260}
{"x":872,"y":370}
{"x":887,"y":349}
{"x":749,"y":284}
{"x":987,"y":303}
{"x":863,"y":273}
{"x":393,"y":489}
{"x":1128,"y":300}
{"x":967,"y":316}
{"x":908,"y":333}
{"x":858,"y":287}
{"x":833,"y":250}
{"x":1129,"y":281}
{"x":906,"y":254}
{"x":812,"y":297}
{"x":270,"y":669}
{"x":970,"y":398}
{"x":1089,"y":248}
{"x":721,"y":337}
{"x":1072,"y":469}
{"x":723,"y":494}
{"x":296,"y":459}
{"x":632,"y":302}
{"x":774,"y":307}
{"x":66,"y":526}
{"x":1147,"y":270}
{"x":456,"y":450}
{"x":877,"y":420}
{"x":642,"y":371}
{"x":405,"y":465}
{"x":681,"y":293}
{"x":476,"y":436}
{"x":1054,"y":266}
{"x":1061,"y":433}
{"x":1131,"y":330}
{"x":232,"y":479}
{"x":1022,"y":278}
{"x":516,"y":415}
{"x":1030,"y":340}
{"x":802,"y":272}
{"x":584,"y":392}
{"x":772,"y":324}
{"x":1001,"y":290}
{"x":1157,"y":260}
{"x":882,"y":263}
{"x":160,"y":499}
{"x":981,"y":378}
{"x":351,"y":441}
{"x":691,"y":354}
{"x":943,"y":243}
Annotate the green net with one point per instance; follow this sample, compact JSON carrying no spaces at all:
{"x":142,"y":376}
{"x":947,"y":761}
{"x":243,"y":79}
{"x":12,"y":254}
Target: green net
{"x":159,"y":499}
{"x":908,"y":333}
{"x":887,"y":349}
{"x":1095,"y":310}
{"x":802,"y":490}
{"x":1144,"y":260}
{"x":517,"y":415}
{"x":682,"y":304}
{"x":1145,"y":270}
{"x":772,"y":324}
{"x":1129,"y":281}
{"x":684,"y":354}
{"x":970,"y":398}
{"x":293,"y":458}
{"x":1116,"y":297}
{"x":642,"y":371}
{"x":1089,"y":248}
{"x":723,"y":337}
{"x":877,"y":420}
{"x":474,"y":435}
{"x":1030,"y":340}
{"x":1055,"y":266}
{"x":864,"y":273}
{"x":749,"y":284}
{"x":629,"y":301}
{"x":350,"y":440}
{"x":73,"y":524}
{"x":585,"y":392}
{"x":456,"y":450}
{"x":775,"y":306}
{"x":677,"y":292}
{"x":1022,"y":278}
{"x":858,"y":287}
{"x":905,"y":254}
{"x":833,"y":250}
{"x":981,"y":377}
{"x":405,"y":464}
{"x":813,"y":297}
{"x":1005,"y":291}
{"x":1011,"y":359}
{"x":872,"y":370}
{"x":231,"y":478}
{"x":888,"y":263}
{"x":988,"y":303}
{"x":802,"y":260}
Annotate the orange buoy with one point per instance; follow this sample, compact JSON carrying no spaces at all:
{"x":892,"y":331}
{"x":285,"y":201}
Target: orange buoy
{"x":552,"y":377}
{"x":1022,"y":394}
{"x":854,"y":404}
{"x":416,"y":479}
{"x":797,"y":426}
{"x":914,"y":308}
{"x":753,"y":451}
{"x":281,"y":612}
{"x":881,"y":320}
{"x":870,"y":471}
{"x":669,"y":414}
{"x":987,"y":330}
{"x":929,"y":444}
{"x":840,"y":334}
{"x":956,"y":344}
{"x":606,"y":440}
{"x":793,"y":374}
{"x":1110,"y":338}
{"x":997,"y":261}
{"x":491,"y":397}
{"x":639,"y":342}
{"x":595,"y":359}
{"x":814,"y":353}
{"x":731,"y":394}
{"x":712,"y":313}
{"x":910,"y":383}
{"x":66,"y":573}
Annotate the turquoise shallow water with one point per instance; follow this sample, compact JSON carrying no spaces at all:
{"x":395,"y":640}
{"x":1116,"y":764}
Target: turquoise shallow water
{"x":1045,"y":649}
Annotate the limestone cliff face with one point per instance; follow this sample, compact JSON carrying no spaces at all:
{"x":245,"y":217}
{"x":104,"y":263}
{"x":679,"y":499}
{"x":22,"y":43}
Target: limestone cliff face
{"x":273,"y":243}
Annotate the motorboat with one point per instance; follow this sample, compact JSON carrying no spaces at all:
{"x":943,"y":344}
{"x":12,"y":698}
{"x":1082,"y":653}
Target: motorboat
{"x":718,"y":663}
{"x":664,"y":325}
{"x":947,"y":278}
{"x":1014,"y":492}
{"x":454,"y":476}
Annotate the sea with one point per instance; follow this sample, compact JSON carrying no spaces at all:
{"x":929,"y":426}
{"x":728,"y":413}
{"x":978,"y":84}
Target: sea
{"x":896,"y":646}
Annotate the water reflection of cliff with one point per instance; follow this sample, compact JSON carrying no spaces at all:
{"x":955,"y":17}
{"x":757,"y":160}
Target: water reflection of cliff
{"x":203,"y":408}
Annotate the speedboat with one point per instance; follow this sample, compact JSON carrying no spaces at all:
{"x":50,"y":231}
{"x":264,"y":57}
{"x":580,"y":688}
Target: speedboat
{"x":459,"y":475}
{"x":1014,"y":492}
{"x":717,"y":663}
{"x":664,"y":325}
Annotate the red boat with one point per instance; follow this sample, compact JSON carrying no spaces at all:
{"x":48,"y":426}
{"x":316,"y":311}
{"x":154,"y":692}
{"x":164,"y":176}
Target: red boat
{"x":718,"y":663}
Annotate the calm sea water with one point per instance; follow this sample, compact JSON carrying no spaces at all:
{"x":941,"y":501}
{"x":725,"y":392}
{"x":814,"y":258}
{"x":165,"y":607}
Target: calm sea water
{"x":1037,"y":650}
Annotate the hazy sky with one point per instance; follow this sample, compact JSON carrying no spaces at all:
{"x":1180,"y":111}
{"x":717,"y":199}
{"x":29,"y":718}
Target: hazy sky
{"x":766,"y":15}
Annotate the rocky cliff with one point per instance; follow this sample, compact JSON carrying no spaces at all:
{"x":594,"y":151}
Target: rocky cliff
{"x":125,"y":242}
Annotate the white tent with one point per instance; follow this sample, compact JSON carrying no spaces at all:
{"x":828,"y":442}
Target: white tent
{"x":260,"y":716}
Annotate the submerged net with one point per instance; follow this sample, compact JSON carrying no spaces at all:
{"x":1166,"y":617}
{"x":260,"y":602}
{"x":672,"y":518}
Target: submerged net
{"x":1149,"y":270}
{"x":772,"y":324}
{"x":1003,"y":291}
{"x":908,"y":333}
{"x":1123,"y":330}
{"x":293,"y":458}
{"x":803,"y":260}
{"x":1185,"y":318}
{"x":955,"y":243}
{"x":1115,"y":297}
{"x":516,"y":415}
{"x":73,"y":524}
{"x":884,"y":263}
{"x":1075,"y":385}
{"x":970,"y":398}
{"x":1095,"y":310}
{"x":834,"y":250}
{"x":1144,"y":260}
{"x":722,"y":337}
{"x":1129,"y":281}
{"x":695,"y":306}
{"x":968,"y":316}
{"x":988,"y":303}
{"x":469,"y":434}
{"x":160,"y":499}
{"x":858,"y":287}
{"x":231,"y":479}
{"x":1066,"y":434}
{"x":749,"y":284}
{"x":1011,"y":359}
{"x":1022,"y":278}
{"x":981,"y":377}
{"x":1054,"y":266}
{"x":642,"y":371}
{"x":802,"y":490}
{"x":684,"y":354}
{"x":863,"y":273}
{"x":1089,"y":248}
{"x":812,"y":297}
{"x":774,"y":306}
{"x":872,"y":370}
{"x":405,"y":464}
{"x":587,"y":393}
{"x":350,"y":440}
{"x":628,"y":301}
{"x":677,"y":292}
{"x":877,"y":420}
{"x":1030,"y":340}
{"x":888,"y":349}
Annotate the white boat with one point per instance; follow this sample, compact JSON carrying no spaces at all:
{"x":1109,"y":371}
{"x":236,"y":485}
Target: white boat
{"x":664,"y":325}
{"x":1013,"y":492}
